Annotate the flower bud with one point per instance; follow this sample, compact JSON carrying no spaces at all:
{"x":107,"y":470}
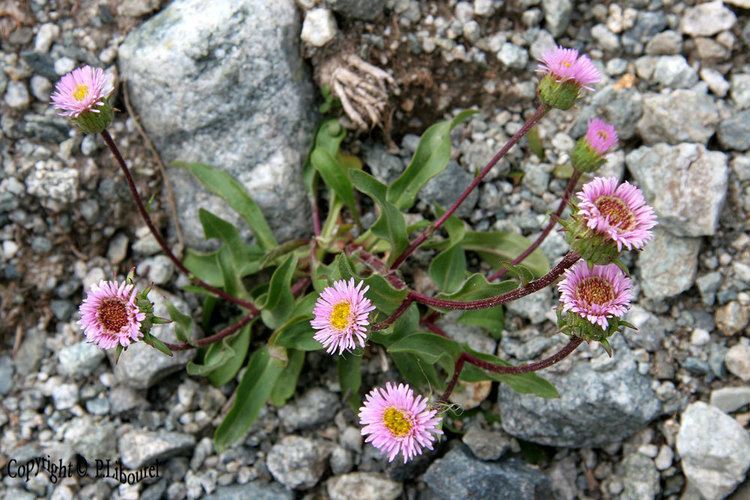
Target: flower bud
{"x":82,"y":95}
{"x":565,"y":74}
{"x":588,"y":153}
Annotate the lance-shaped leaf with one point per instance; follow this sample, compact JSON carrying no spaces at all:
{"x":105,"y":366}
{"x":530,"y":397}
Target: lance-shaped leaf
{"x":287,"y":381}
{"x":224,"y":185}
{"x":263,"y":370}
{"x":278,"y":301}
{"x":524,"y":383}
{"x":448,"y":268}
{"x":477,"y":287}
{"x":296,"y":333}
{"x":431,"y":157}
{"x":390,"y":225}
{"x":349,"y":367}
{"x":498,"y":247}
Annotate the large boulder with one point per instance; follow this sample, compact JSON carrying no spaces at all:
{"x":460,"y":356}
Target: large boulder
{"x":226,"y":86}
{"x":602,"y":401}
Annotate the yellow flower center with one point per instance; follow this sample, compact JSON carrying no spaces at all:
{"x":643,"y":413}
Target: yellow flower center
{"x":113,"y":315}
{"x":567,"y":64}
{"x":396,"y":422}
{"x":595,"y":290}
{"x":80,"y":92}
{"x":340,"y":315}
{"x":617,"y":211}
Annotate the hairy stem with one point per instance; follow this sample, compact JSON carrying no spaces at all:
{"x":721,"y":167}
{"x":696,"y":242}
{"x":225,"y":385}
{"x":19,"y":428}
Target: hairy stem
{"x":548,"y":229}
{"x":533,"y":286}
{"x":510,"y":370}
{"x":394,"y":316}
{"x":163,"y":244}
{"x":533,"y":120}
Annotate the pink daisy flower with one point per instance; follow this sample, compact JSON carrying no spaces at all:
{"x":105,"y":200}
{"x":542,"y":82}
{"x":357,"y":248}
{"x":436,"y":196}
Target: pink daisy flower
{"x":341,"y":316}
{"x":110,"y":316}
{"x":83,"y":89}
{"x":566,"y":65}
{"x":601,"y":136}
{"x":618,"y":211}
{"x":596,"y":293}
{"x":395,"y":421}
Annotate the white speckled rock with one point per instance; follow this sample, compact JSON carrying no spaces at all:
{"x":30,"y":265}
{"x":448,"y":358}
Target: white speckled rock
{"x":226,"y":86}
{"x":714,"y":448}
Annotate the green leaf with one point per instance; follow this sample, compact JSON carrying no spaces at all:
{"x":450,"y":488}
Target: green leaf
{"x":287,"y":382}
{"x":390,"y":225}
{"x":429,"y":348}
{"x":349,"y":367}
{"x":417,"y":372}
{"x":477,"y":287}
{"x":431,"y":157}
{"x":216,"y":355}
{"x":383,"y":295}
{"x":492,"y":320}
{"x":496,"y":247}
{"x":535,"y":143}
{"x":296,"y":334}
{"x":334,"y":175}
{"x":525,"y":383}
{"x":404,"y":326}
{"x":282,"y":250}
{"x":279,"y":300}
{"x":238,"y":344}
{"x":183,"y":324}
{"x":204,"y":266}
{"x":230,"y":274}
{"x":216,"y":227}
{"x":448,"y":268}
{"x":224,"y":185}
{"x":157,"y":344}
{"x":263,"y":370}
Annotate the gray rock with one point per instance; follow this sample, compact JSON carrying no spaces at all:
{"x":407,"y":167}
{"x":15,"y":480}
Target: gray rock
{"x":31,"y":352}
{"x":319,"y":27}
{"x":557,"y":15}
{"x":741,"y":90}
{"x":473,"y":336}
{"x":255,"y":490}
{"x":229,"y":90}
{"x":605,"y":38}
{"x":486,"y":445}
{"x":640,"y":477}
{"x":665,"y":43}
{"x":715,"y":81}
{"x":137,"y":8}
{"x":297,"y":462}
{"x":681,"y":116}
{"x":6,"y":375}
{"x":525,"y":344}
{"x":158,"y":269}
{"x":79,"y":359}
{"x":602,"y":401}
{"x":668,"y":264}
{"x":708,"y":284}
{"x":369,"y":485}
{"x":536,"y":179}
{"x":384,"y":166}
{"x":118,"y":247}
{"x":139,"y":447}
{"x":707,"y":19}
{"x":92,"y":438}
{"x":367,"y":10}
{"x":65,"y":396}
{"x":141,"y":366}
{"x":674,"y":72}
{"x":737,"y":360}
{"x":620,"y":107}
{"x":734,"y":132}
{"x":730,"y":399}
{"x":714,"y":448}
{"x":443,"y":189}
{"x":647,"y":24}
{"x":650,"y":332}
{"x":458,"y":475}
{"x":664,"y":458}
{"x":686,"y":185}
{"x":513,"y":56}
{"x":314,"y":407}
{"x":534,"y":306}
{"x":17,"y":95}
{"x":710,"y":50}
{"x":123,"y":399}
{"x":341,"y":460}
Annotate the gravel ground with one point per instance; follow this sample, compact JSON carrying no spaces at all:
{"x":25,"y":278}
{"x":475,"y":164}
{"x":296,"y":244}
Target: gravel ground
{"x":235,"y":85}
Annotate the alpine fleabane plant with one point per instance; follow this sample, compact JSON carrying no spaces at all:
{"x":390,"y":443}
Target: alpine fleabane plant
{"x":343,"y":290}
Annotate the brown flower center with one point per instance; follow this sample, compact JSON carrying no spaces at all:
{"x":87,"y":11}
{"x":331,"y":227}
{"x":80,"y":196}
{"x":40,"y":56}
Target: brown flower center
{"x":396,"y":422}
{"x":113,"y":315}
{"x":340,"y":315}
{"x":595,"y":290}
{"x":617,"y":211}
{"x":602,"y":135}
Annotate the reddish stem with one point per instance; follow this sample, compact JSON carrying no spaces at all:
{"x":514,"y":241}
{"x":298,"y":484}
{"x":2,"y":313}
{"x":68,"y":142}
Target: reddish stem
{"x":394,"y":316}
{"x":545,"y":232}
{"x":163,"y":244}
{"x":533,"y":120}
{"x":434,"y":328}
{"x":510,"y":370}
{"x":226,"y":332}
{"x":533,"y":286}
